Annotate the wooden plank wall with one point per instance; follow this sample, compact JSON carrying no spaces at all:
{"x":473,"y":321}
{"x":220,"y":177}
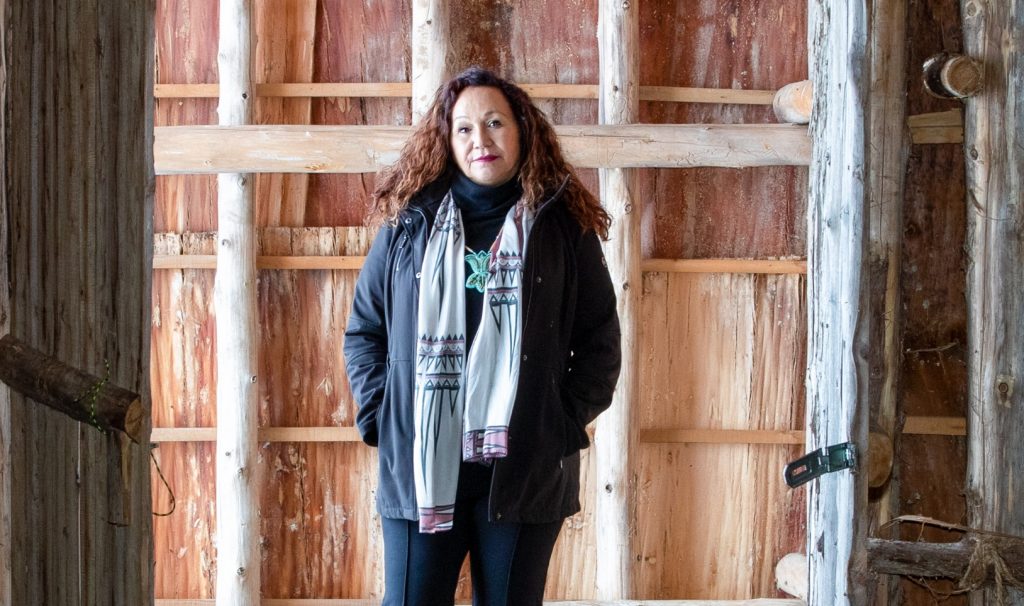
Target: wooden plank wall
{"x":719,"y":351}
{"x":78,"y":202}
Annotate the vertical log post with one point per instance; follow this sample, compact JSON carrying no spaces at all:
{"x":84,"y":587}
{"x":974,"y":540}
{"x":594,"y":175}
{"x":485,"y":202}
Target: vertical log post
{"x":429,"y":52}
{"x":614,"y":440}
{"x":837,"y":302}
{"x":888,"y":145}
{"x":238,"y":528}
{"x":5,"y":314}
{"x":993,"y":132}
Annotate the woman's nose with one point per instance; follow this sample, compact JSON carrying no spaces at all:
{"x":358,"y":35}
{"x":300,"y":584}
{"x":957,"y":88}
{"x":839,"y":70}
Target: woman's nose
{"x":481,"y":137}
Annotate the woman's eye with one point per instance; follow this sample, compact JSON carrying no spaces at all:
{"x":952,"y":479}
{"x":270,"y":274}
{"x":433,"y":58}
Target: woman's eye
{"x":462,"y":130}
{"x":494,"y":123}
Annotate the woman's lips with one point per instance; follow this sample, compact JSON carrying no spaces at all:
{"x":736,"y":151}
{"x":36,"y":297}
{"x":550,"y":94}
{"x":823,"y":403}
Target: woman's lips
{"x":486,"y":159}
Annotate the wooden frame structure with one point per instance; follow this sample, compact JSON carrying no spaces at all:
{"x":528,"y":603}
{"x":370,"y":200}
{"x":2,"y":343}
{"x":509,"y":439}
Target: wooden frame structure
{"x":853,"y":255}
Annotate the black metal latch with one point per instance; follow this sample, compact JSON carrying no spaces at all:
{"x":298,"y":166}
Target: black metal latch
{"x":819,"y":462}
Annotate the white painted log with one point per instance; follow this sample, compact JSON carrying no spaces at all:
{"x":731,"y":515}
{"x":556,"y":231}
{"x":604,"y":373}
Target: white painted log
{"x":360,"y":149}
{"x":792,"y":102}
{"x":837,"y":405}
{"x":615,"y":439}
{"x":238,"y":525}
{"x":429,"y":52}
{"x":791,"y":575}
{"x":993,"y":132}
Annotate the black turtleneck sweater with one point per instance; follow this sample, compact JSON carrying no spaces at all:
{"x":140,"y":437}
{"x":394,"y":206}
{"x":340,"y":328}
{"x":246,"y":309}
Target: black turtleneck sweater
{"x":483,"y":211}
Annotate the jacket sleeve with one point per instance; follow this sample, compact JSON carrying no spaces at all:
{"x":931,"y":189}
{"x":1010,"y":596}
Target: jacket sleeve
{"x":366,"y":337}
{"x":595,"y":357}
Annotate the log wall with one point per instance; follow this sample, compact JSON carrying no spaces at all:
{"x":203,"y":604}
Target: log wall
{"x":77,"y":207}
{"x":718,"y":350}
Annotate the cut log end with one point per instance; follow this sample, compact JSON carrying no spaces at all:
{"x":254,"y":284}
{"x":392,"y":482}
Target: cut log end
{"x":879,"y":459}
{"x":793,"y":102}
{"x":134,"y":419}
{"x":949,"y":76}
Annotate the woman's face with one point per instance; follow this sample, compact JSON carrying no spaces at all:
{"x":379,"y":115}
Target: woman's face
{"x":485,"y":136}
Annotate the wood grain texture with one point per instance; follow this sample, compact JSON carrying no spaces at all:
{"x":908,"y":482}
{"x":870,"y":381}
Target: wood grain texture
{"x":993,"y":131}
{"x":356,"y":42}
{"x":719,"y":352}
{"x":79,"y":203}
{"x":358,"y":149}
{"x":839,"y":320}
{"x":186,"y":51}
{"x":5,"y":317}
{"x":701,"y":213}
{"x":931,"y":470}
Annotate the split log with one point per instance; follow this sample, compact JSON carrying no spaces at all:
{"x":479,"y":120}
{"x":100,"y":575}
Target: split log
{"x":615,"y":439}
{"x":993,"y":131}
{"x":792,"y":103}
{"x":78,"y":394}
{"x":949,"y":76}
{"x":942,"y":560}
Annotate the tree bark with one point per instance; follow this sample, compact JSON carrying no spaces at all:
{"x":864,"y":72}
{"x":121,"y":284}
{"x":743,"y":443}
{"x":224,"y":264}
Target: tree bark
{"x":80,"y":395}
{"x":940,"y":560}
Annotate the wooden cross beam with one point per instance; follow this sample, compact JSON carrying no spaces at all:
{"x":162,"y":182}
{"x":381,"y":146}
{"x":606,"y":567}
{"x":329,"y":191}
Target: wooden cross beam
{"x":78,"y":394}
{"x":945,"y":560}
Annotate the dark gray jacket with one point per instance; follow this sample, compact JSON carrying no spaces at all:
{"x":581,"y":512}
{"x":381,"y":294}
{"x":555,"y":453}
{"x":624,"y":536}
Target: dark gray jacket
{"x":570,"y":361}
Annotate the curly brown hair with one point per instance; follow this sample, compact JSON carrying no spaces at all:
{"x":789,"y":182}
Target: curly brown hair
{"x":427,"y":156}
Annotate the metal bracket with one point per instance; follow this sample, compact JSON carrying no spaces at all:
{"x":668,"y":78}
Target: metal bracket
{"x":819,"y":462}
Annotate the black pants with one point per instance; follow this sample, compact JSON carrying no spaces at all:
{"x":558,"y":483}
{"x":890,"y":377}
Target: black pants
{"x":508,"y":562}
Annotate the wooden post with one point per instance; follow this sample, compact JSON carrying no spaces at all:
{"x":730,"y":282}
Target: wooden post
{"x":888,"y":145}
{"x":837,"y":306}
{"x":429,"y":52}
{"x":238,"y":526}
{"x":81,"y":396}
{"x":615,"y":440}
{"x":5,"y":313}
{"x":993,"y":131}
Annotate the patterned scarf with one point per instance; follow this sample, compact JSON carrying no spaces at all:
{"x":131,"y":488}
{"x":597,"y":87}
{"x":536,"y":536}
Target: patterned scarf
{"x":464,"y":404}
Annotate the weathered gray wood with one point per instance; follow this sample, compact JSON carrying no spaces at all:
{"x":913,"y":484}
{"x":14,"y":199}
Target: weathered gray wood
{"x":941,"y":560}
{"x":5,"y":310}
{"x":234,"y":301}
{"x":82,"y":396}
{"x":838,"y":320}
{"x":359,"y":149}
{"x":78,"y":210}
{"x":993,"y":132}
{"x":430,"y":49}
{"x":615,"y":438}
{"x":888,"y":145}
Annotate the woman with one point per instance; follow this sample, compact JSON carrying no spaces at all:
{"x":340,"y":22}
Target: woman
{"x":483,"y":338}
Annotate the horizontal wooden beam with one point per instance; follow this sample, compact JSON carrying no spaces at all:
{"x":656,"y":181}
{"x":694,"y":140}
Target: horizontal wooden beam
{"x":936,"y":426}
{"x":918,"y":425}
{"x":363,"y":149}
{"x":675,"y":94}
{"x":262,"y":262}
{"x":937,"y":127}
{"x":264,"y":434}
{"x":738,"y":266}
{"x":721,"y":436}
{"x":357,"y":602}
{"x":944,"y":560}
{"x":726,"y":266}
